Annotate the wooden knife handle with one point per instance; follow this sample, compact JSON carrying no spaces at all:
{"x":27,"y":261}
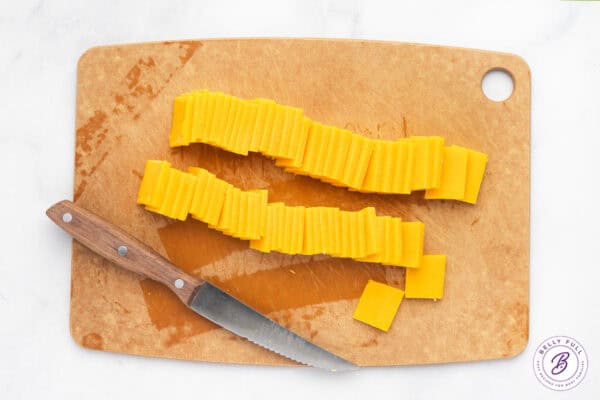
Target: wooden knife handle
{"x":121,"y":248}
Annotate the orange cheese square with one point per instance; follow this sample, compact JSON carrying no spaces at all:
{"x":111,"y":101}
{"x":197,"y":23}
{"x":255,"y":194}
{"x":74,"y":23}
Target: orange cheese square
{"x":427,"y":281}
{"x":378,"y":305}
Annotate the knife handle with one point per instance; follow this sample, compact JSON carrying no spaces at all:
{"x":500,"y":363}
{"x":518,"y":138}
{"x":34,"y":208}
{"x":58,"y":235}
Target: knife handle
{"x":121,"y":248}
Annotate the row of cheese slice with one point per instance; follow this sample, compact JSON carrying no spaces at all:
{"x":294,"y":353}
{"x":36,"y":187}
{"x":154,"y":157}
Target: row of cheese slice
{"x":361,"y":235}
{"x":328,"y":153}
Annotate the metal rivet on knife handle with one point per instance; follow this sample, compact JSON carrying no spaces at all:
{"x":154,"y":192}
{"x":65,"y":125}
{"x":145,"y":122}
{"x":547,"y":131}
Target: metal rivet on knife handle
{"x":67,"y":217}
{"x":122,"y":250}
{"x":178,"y":283}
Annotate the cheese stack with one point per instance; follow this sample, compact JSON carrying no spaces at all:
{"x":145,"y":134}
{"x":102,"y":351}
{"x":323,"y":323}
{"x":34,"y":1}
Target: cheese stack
{"x":239,"y":126}
{"x":175,"y":194}
{"x":461,"y":176}
{"x":247,"y":215}
{"x":333,"y":155}
{"x":284,"y":232}
{"x":244,"y":214}
{"x":166,"y":191}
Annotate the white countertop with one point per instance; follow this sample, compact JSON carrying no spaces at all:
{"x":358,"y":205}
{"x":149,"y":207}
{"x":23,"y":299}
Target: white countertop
{"x":41,"y":42}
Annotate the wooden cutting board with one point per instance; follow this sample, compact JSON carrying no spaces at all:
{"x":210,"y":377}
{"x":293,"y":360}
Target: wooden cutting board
{"x":378,"y":89}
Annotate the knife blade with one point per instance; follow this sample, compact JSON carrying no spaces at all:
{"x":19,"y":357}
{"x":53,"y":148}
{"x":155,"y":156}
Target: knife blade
{"x":201,"y":296}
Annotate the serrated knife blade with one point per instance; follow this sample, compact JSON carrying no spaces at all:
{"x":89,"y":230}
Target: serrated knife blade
{"x":235,"y":316}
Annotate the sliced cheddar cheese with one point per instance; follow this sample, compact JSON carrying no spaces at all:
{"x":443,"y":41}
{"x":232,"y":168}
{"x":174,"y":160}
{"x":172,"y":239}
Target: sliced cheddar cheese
{"x":247,"y":215}
{"x":412,"y":243}
{"x":378,"y":305}
{"x":177,"y":195}
{"x":453,"y":177}
{"x":427,"y":161}
{"x":476,"y":163}
{"x":427,"y":281}
{"x":209,"y":196}
{"x":151,"y":190}
{"x":334,"y":155}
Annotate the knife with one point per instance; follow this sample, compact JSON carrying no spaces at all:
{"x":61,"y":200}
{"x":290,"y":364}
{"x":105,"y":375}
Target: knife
{"x":201,"y":296}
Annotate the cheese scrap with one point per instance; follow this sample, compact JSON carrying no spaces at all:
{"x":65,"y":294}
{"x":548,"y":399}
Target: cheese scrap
{"x":378,"y":305}
{"x":427,"y":281}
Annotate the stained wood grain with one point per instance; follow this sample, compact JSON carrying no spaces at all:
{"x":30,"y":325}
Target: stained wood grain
{"x":378,"y":89}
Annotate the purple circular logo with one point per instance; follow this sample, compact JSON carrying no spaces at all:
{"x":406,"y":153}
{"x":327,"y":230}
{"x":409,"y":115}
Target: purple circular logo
{"x":560,"y":363}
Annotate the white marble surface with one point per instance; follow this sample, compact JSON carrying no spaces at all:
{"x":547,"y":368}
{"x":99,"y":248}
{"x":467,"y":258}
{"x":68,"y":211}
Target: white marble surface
{"x":40,"y":44}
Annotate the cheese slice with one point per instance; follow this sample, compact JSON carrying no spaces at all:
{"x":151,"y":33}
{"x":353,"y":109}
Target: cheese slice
{"x":412,"y":243}
{"x":176,"y":136}
{"x":427,"y":281}
{"x":199,"y":114}
{"x":475,"y":169}
{"x":454,"y":175}
{"x":378,"y":305}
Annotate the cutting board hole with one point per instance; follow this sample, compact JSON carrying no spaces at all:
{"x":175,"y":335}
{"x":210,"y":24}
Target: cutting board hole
{"x":497,"y":84}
